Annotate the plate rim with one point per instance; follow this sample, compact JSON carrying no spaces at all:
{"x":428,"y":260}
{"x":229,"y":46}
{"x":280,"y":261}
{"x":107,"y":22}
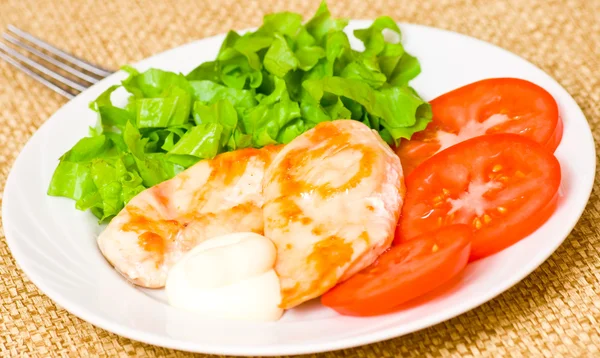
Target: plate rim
{"x":342,"y":343}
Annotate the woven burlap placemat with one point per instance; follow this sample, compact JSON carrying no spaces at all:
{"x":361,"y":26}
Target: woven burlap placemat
{"x":554,"y":312}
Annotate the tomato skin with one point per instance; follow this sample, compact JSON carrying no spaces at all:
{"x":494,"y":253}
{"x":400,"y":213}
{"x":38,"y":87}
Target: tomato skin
{"x":403,"y":273}
{"x":531,"y":110}
{"x":516,"y":199}
{"x":556,"y":137}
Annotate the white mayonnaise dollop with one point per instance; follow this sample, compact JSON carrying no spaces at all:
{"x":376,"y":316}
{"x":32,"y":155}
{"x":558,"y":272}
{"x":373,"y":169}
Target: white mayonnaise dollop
{"x":230,"y":276}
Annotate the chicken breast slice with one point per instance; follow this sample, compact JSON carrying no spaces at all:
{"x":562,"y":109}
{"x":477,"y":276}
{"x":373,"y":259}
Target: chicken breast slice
{"x":159,"y":225}
{"x":332,"y":201}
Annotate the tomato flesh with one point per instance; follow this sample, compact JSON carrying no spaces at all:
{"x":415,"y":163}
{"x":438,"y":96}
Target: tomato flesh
{"x":496,"y":105}
{"x":503,"y":185}
{"x":402,"y":273}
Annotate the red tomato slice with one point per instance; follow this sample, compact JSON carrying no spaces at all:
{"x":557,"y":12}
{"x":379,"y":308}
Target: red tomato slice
{"x":504,"y":185}
{"x":402,"y":273}
{"x":496,"y":105}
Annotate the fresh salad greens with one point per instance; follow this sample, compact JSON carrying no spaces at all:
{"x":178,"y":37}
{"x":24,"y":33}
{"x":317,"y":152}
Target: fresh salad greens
{"x":265,"y":87}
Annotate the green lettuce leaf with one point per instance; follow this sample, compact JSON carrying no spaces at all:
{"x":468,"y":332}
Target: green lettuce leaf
{"x":71,"y":180}
{"x":202,"y":141}
{"x":87,"y":149}
{"x":154,"y":82}
{"x":103,"y":99}
{"x":222,"y":113}
{"x":153,"y":168}
{"x":282,"y":23}
{"x":271,"y":115}
{"x":388,"y":53}
{"x":365,"y":71}
{"x":291,"y":131}
{"x":112,"y":117}
{"x":401,"y":111}
{"x":407,"y":68}
{"x":264,"y":87}
{"x":280,"y":59}
{"x":249,"y":45}
{"x":307,"y":57}
{"x":228,"y":50}
{"x":321,"y":24}
{"x":209,"y":71}
{"x":170,"y":110}
{"x":237,"y":73}
{"x":209,"y":92}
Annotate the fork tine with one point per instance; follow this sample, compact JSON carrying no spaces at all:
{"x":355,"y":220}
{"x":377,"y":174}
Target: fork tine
{"x":59,"y":53}
{"x":36,"y":77}
{"x":50,"y":59}
{"x":60,"y":78}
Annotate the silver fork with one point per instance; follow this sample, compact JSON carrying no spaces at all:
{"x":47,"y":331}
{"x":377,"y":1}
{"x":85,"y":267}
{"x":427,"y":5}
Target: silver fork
{"x":43,"y":63}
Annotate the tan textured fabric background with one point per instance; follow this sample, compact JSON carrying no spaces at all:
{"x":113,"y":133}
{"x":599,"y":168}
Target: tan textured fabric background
{"x":554,"y":312}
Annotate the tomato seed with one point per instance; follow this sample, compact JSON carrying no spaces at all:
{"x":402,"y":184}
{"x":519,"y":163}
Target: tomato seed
{"x":519,"y":174}
{"x":477,"y":223}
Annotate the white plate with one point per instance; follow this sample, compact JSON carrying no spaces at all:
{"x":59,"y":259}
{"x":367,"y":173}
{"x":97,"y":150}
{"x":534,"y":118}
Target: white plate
{"x":55,"y":244}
